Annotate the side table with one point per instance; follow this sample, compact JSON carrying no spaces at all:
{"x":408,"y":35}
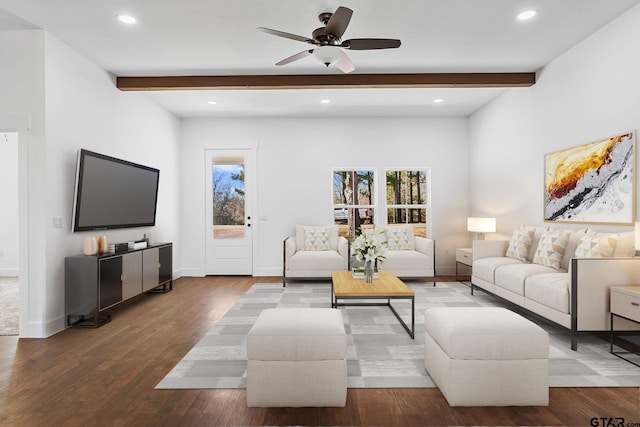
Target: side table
{"x":464,"y":256}
{"x":625,"y":303}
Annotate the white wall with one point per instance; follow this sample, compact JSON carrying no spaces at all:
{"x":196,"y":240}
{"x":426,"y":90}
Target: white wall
{"x":9,"y":202}
{"x":590,"y":92}
{"x":294,"y":160}
{"x":72,"y":104}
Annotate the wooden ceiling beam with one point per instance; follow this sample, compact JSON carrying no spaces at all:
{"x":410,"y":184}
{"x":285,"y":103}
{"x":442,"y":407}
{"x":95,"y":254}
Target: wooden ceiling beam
{"x":332,"y":81}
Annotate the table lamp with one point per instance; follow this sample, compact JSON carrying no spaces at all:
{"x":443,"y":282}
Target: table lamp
{"x":481,"y":226}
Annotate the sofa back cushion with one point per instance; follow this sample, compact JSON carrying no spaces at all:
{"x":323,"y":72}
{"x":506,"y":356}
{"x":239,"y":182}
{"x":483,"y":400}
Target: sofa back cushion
{"x":317,"y":238}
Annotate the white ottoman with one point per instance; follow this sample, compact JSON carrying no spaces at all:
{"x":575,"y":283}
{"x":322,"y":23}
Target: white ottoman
{"x":297,"y":357}
{"x":486,"y":356}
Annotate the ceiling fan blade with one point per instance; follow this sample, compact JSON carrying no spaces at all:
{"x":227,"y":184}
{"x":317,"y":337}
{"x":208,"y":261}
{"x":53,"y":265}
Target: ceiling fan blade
{"x":287,"y":35}
{"x":367,"y":44}
{"x":338,"y":22}
{"x":295,"y":57}
{"x":344,"y":63}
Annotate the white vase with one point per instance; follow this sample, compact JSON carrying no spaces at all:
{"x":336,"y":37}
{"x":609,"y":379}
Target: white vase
{"x":90,"y":245}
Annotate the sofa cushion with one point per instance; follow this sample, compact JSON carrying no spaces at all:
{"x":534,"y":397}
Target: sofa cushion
{"x":332,"y":233}
{"x":513,"y":277}
{"x":520,"y":243}
{"x":400,"y":238}
{"x":551,"y":248}
{"x":484,"y":268}
{"x":551,"y":290}
{"x":592,"y":246}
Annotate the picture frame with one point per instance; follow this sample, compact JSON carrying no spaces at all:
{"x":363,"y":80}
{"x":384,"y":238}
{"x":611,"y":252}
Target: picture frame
{"x":593,"y":183}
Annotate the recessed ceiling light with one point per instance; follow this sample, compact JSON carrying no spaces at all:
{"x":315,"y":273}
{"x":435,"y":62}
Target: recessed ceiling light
{"x":127,"y":19}
{"x":438,"y":101}
{"x":325,"y":101}
{"x":526,"y":15}
{"x":212,"y":102}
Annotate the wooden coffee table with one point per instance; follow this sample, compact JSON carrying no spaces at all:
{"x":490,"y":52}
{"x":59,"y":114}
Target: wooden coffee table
{"x":385,"y":287}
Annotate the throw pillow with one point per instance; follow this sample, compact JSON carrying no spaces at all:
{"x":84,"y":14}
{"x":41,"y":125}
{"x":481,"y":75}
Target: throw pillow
{"x":551,"y":248}
{"x":399,"y":238}
{"x":333,"y":235}
{"x":519,"y":243}
{"x":316,"y":239}
{"x":592,"y":246}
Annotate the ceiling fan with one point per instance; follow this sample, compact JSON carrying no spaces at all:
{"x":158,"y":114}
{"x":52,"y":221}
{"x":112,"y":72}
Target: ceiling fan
{"x":328,"y":41}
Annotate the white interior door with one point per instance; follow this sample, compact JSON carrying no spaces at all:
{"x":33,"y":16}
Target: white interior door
{"x":230,"y":196}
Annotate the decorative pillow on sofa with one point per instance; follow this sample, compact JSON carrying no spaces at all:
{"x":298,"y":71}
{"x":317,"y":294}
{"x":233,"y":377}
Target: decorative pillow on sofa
{"x":520,"y":243}
{"x":400,"y":238}
{"x":594,"y":246}
{"x":551,"y":248}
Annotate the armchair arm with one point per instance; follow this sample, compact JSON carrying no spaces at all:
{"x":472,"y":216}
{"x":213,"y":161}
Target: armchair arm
{"x":424,"y":245}
{"x":289,"y":248}
{"x":489,"y":248}
{"x":344,"y":249}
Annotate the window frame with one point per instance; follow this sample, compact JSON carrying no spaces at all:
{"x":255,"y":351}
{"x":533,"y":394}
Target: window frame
{"x":428,"y":220}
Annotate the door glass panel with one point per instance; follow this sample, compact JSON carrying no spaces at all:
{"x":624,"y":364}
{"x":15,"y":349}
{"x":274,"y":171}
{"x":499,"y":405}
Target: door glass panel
{"x":228,"y":183}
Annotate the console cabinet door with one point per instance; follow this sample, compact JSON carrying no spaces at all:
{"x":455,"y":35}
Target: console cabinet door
{"x":166,"y":264}
{"x":131,"y":275}
{"x":110,"y":286}
{"x":150,"y":269}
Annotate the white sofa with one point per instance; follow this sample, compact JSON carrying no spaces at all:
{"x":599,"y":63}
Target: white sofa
{"x":313,"y":253}
{"x":568,"y":286}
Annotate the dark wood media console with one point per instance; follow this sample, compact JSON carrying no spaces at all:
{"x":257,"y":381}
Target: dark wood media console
{"x":94,"y":284}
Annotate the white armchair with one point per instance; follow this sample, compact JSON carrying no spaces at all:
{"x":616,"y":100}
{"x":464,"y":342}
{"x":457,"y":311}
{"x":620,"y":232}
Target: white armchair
{"x":313,"y":253}
{"x":409,"y":256}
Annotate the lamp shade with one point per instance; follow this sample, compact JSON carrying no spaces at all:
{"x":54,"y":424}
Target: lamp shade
{"x":481,"y":225}
{"x":637,"y":237}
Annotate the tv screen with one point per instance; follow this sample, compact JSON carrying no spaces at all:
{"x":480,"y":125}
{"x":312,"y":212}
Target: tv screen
{"x":113,"y":193}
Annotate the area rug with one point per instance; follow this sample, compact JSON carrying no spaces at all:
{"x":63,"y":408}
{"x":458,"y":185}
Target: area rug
{"x":8,"y":306}
{"x":380,"y":353}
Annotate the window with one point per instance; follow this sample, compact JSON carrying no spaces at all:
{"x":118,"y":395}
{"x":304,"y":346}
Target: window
{"x":228,"y":198}
{"x":353,"y":199}
{"x":408,"y":198}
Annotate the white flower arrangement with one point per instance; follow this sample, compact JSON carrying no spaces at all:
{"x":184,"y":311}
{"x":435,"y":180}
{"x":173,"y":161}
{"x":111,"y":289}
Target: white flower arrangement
{"x":370,"y":245}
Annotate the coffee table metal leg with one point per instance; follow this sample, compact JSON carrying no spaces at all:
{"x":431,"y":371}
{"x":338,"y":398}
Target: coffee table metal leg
{"x":411,"y":331}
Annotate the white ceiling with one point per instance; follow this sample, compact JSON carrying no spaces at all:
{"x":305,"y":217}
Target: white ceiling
{"x":211,"y":37}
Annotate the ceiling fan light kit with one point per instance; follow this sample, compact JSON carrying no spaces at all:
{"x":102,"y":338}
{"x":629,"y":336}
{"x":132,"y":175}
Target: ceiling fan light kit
{"x":328,"y":41}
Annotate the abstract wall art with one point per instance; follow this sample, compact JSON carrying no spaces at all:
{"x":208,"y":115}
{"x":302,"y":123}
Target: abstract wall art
{"x":592,"y":183}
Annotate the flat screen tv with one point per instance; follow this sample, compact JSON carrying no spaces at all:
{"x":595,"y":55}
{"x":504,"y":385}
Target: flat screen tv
{"x":113,"y":193}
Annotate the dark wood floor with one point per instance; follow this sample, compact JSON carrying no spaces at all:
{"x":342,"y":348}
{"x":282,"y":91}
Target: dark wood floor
{"x":106,"y":377}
